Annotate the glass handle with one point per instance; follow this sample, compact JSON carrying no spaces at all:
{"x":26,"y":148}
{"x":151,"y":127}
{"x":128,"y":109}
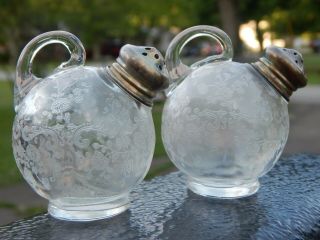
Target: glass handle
{"x":176,"y":69}
{"x":25,"y":79}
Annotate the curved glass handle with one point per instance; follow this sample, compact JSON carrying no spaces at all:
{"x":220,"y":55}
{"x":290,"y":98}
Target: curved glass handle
{"x":176,"y":69}
{"x":25,"y":79}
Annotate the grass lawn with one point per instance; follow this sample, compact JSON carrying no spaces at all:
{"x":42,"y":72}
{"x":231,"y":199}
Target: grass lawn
{"x":157,"y":113}
{"x":9,"y":173}
{"x":312,"y":68}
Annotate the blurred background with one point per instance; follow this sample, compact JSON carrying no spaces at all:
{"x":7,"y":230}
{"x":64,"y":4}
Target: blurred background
{"x":104,"y":26}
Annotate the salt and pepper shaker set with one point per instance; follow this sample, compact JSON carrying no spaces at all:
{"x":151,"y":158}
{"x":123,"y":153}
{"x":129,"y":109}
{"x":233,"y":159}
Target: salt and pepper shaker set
{"x":83,"y":137}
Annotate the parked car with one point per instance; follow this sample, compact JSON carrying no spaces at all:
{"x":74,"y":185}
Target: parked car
{"x":315,"y":45}
{"x":111,"y":47}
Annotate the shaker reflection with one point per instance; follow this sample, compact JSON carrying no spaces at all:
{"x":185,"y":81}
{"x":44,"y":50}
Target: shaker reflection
{"x":208,"y":218}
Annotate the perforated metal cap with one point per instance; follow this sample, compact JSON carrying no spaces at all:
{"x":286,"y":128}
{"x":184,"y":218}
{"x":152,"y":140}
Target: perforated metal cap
{"x":140,"y":71}
{"x":283,"y":68}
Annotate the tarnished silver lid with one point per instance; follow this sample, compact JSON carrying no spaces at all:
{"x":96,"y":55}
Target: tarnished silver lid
{"x":283,"y":68}
{"x":140,"y":71}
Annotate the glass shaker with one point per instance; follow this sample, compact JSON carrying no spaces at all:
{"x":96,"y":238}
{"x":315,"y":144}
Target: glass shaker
{"x":225,"y":124}
{"x":83,"y":137}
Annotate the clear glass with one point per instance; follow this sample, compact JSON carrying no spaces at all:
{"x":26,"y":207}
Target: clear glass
{"x":224,"y":126}
{"x":82,"y":142}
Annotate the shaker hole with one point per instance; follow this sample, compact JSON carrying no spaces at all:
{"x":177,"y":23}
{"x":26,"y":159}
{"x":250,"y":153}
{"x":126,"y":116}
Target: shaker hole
{"x":160,"y":67}
{"x":144,"y":54}
{"x":156,"y":56}
{"x":295,"y":53}
{"x":296,"y":61}
{"x":147,"y":48}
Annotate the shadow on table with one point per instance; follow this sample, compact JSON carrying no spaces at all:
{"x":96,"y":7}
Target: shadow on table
{"x":205,"y":218}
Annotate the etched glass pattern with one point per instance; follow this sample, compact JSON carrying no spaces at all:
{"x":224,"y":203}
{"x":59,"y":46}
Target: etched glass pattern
{"x":225,"y":126}
{"x":80,"y":140}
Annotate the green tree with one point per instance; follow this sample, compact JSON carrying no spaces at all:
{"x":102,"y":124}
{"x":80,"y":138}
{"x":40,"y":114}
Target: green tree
{"x":295,"y":17}
{"x":286,"y":18}
{"x":14,"y":23}
{"x":93,"y":21}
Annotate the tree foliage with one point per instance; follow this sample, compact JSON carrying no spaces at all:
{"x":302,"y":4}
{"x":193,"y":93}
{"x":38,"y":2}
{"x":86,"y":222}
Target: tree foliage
{"x":95,"y":21}
{"x":285,"y":17}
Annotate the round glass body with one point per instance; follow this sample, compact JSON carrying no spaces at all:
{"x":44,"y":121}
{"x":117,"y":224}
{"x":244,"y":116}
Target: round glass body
{"x":224,"y":126}
{"x":83,"y":143}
